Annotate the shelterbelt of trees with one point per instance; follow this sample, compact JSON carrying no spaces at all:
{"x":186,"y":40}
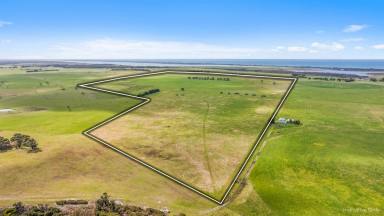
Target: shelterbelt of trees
{"x":101,"y":207}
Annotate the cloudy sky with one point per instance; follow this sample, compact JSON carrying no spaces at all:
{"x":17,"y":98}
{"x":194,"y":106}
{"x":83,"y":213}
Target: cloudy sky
{"x":122,"y":29}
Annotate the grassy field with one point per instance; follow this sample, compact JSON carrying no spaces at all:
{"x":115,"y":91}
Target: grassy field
{"x":71,"y":165}
{"x":332,"y":164}
{"x":196,"y":130}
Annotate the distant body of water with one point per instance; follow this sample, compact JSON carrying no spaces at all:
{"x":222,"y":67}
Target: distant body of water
{"x":347,"y":64}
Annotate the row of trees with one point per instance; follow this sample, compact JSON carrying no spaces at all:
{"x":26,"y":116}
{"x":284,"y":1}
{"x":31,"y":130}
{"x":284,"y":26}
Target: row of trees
{"x":348,"y":79}
{"x":209,"y":78}
{"x":374,"y":79}
{"x":18,"y":141}
{"x":237,"y":93}
{"x":19,"y":209}
{"x":104,"y":206}
{"x":151,"y":91}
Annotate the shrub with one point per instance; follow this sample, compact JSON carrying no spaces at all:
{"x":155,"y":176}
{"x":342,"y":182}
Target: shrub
{"x":373,"y":79}
{"x":295,"y":121}
{"x":19,"y":208}
{"x":5,"y":144}
{"x":43,"y":210}
{"x":72,"y":202}
{"x":349,"y":80}
{"x":105,"y":204}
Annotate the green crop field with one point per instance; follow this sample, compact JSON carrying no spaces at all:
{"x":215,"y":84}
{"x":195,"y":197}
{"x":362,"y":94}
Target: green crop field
{"x":331,"y":164}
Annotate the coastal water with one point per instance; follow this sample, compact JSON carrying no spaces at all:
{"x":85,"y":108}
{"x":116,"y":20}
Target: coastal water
{"x":341,"y":64}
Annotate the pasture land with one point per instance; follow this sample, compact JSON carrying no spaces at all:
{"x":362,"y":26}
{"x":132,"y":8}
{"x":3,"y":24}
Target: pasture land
{"x":198,"y":128}
{"x":332,"y":164}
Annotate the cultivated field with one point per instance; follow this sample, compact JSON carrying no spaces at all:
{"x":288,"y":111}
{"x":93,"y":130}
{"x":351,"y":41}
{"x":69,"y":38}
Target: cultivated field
{"x":332,"y":164}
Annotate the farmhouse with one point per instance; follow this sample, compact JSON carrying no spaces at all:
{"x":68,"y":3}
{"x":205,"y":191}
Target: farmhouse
{"x":283,"y":121}
{"x":286,"y":121}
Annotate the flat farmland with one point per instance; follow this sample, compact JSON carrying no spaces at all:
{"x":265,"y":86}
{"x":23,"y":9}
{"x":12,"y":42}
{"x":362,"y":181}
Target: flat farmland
{"x":331,"y":164}
{"x":197,"y":128}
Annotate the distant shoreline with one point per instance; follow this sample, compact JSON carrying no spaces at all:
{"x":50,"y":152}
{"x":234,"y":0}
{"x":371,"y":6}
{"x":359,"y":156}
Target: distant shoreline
{"x":349,"y":67}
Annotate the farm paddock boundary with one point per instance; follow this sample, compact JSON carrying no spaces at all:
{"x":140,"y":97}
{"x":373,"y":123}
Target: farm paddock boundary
{"x":145,"y":100}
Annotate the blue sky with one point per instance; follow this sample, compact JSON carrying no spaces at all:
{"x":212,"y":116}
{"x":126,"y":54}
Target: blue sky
{"x":86,"y":29}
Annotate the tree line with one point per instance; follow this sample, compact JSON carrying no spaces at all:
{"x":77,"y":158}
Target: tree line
{"x":237,"y":93}
{"x":349,"y":79}
{"x":151,"y":91}
{"x":19,"y":141}
{"x":103,"y":206}
{"x":19,"y":209}
{"x":374,"y":79}
{"x":209,"y":78}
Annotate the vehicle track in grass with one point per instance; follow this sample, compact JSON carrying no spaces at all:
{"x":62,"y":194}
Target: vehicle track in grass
{"x":144,"y":101}
{"x":206,"y":153}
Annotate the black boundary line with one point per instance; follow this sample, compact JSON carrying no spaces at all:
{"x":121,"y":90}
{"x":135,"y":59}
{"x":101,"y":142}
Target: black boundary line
{"x":87,"y":132}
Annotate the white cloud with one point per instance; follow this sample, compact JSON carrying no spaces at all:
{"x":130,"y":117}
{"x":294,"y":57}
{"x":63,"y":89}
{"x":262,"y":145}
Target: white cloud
{"x":354,"y":28}
{"x":279,"y":49}
{"x":4,"y":23}
{"x":378,"y":46}
{"x":327,"y":46}
{"x":297,"y":49}
{"x":347,"y":40}
{"x":111,"y":48}
{"x":315,"y":47}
